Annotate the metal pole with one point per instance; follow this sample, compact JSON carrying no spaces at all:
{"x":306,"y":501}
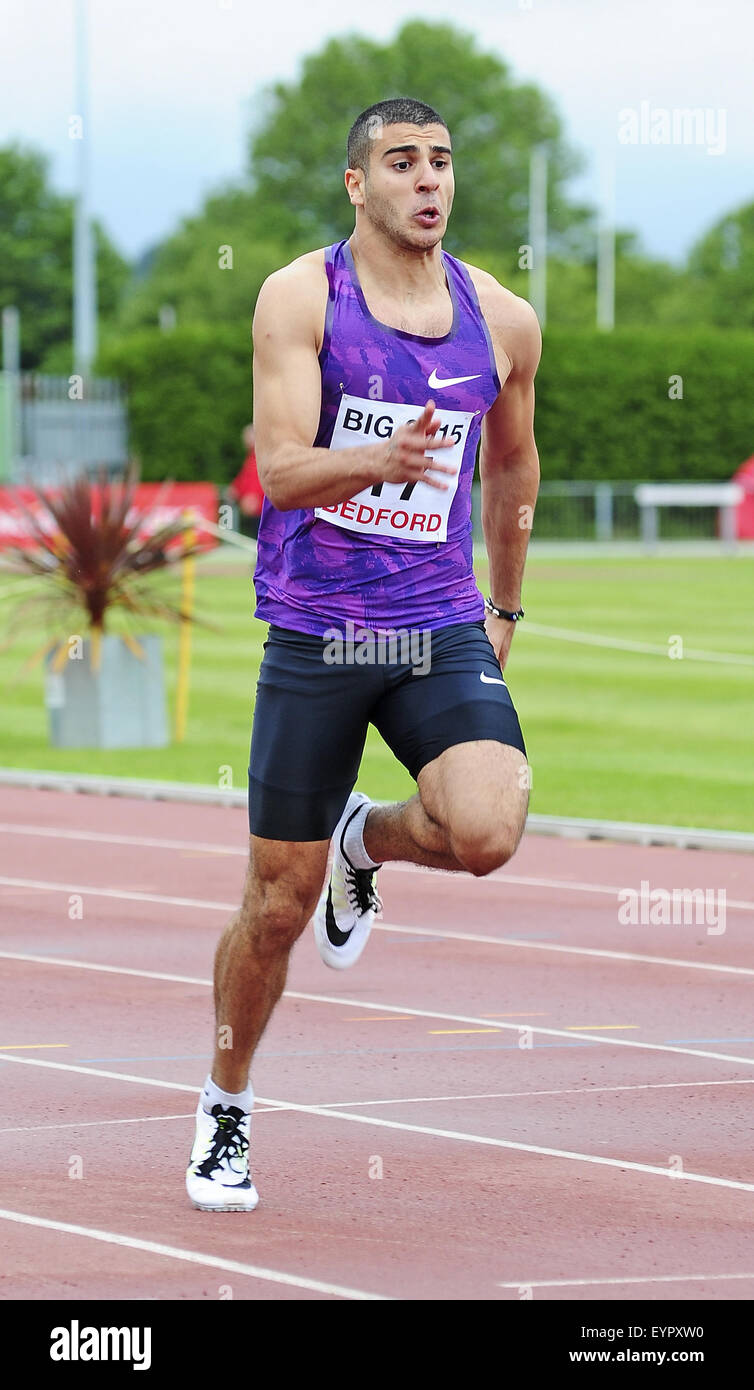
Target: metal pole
{"x":649,"y":526}
{"x":188,"y":567}
{"x":728,"y":526}
{"x":606,"y":247}
{"x":538,"y":230}
{"x":10,"y":381}
{"x":11,"y":339}
{"x":84,"y":277}
{"x":603,"y":512}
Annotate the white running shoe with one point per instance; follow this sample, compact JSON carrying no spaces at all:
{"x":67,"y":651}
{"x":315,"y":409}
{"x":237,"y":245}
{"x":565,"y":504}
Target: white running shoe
{"x":349,"y":901}
{"x":218,"y":1178}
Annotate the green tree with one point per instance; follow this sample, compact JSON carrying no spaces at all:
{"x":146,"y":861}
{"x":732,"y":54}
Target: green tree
{"x":297,"y":156}
{"x":721,"y":271}
{"x":570,"y":285}
{"x":36,"y":256}
{"x":644,"y":289}
{"x":211,"y":269}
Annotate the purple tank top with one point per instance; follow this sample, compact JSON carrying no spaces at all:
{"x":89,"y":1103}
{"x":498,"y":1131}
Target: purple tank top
{"x":395,"y":555}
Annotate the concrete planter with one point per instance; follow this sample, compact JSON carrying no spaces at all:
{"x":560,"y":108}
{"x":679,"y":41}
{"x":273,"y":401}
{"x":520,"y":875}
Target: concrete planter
{"x":122,"y":705}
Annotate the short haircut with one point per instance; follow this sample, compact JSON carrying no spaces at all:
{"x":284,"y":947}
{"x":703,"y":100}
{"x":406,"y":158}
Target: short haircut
{"x":368,"y":125}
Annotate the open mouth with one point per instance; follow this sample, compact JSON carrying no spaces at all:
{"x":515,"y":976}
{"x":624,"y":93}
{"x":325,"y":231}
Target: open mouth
{"x":428,"y":217}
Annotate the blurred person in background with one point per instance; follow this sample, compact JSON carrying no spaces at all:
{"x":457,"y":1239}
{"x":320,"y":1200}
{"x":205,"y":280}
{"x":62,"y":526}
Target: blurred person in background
{"x":246,"y":489}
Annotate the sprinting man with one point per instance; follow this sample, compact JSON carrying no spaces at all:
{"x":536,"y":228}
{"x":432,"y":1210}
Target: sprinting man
{"x":379,"y":365}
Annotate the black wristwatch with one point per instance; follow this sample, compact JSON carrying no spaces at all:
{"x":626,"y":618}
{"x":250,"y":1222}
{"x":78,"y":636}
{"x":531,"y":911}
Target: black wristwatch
{"x":503,"y":612}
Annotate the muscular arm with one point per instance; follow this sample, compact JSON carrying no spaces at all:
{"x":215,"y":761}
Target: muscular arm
{"x":289,"y":315}
{"x":509,"y":463}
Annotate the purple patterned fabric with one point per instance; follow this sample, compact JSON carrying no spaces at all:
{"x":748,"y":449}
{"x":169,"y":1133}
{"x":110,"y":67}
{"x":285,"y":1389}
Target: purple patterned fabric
{"x":394,"y":556}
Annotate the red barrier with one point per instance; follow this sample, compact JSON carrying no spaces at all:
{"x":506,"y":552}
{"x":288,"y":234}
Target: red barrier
{"x":200,"y":500}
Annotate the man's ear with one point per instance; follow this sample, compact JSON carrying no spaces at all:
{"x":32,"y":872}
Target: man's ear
{"x":355,"y":180}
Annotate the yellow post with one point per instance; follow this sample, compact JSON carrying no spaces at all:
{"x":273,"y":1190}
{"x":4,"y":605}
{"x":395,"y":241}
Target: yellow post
{"x":184,"y":637}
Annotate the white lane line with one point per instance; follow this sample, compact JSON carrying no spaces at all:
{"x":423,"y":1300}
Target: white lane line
{"x":55,"y":832}
{"x":610,"y":1041}
{"x":393,"y":1100}
{"x":144,"y":1081}
{"x":123,"y":894}
{"x":195,"y":1257}
{"x":527,"y":1095}
{"x":523,"y":881}
{"x":640,"y":1279}
{"x":513,"y":942}
{"x":106,"y":969}
{"x":343,"y":1000}
{"x":96,"y":1124}
{"x":86,"y":1124}
{"x":109,"y":1075}
{"x":539,"y":1149}
{"x":626,"y":644}
{"x":259,"y":1104}
{"x":521,"y":944}
{"x":392,"y":866}
{"x":434,"y":1133}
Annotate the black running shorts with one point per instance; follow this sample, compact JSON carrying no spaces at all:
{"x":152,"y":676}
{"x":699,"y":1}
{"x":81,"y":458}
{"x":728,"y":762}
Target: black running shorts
{"x":423,"y":691}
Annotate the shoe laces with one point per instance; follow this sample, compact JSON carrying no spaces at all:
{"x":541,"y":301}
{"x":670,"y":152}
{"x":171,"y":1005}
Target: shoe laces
{"x":361,"y":890}
{"x":229,"y":1140}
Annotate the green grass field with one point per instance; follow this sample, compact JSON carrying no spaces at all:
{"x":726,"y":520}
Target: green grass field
{"x":611,"y":733}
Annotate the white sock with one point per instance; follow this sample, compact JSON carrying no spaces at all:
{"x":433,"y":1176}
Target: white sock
{"x":212,"y":1095}
{"x":353,"y":840}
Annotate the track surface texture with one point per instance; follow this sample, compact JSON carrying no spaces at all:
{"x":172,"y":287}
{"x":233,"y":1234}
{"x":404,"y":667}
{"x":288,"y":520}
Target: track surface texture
{"x":515,"y":1093}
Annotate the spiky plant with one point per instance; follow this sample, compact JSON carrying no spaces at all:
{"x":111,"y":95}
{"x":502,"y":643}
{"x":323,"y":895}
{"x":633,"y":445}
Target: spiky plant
{"x":89,"y":560}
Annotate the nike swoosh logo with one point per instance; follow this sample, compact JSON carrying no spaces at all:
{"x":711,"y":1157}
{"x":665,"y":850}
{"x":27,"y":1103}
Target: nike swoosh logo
{"x":335,"y":936}
{"x":490,"y":680}
{"x":435,"y":381}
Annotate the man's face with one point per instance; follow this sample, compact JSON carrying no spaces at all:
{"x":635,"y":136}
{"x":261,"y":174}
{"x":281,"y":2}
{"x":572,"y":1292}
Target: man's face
{"x":407,"y":190}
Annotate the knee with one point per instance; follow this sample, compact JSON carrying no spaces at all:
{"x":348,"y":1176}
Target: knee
{"x":484,"y":848}
{"x":274,"y":914}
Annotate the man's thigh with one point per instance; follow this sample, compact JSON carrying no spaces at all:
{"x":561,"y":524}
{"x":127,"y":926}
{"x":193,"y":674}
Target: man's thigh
{"x":462,"y":697}
{"x":478,"y":792}
{"x":456,"y":730}
{"x":310,"y":723}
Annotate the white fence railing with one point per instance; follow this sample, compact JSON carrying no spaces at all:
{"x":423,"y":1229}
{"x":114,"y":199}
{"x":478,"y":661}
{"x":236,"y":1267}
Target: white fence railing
{"x":626,"y":511}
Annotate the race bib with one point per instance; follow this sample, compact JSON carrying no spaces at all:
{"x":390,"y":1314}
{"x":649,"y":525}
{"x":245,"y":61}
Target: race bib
{"x":405,"y":511}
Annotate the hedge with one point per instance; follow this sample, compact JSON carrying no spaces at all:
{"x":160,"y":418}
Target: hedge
{"x":603,"y":403}
{"x":604,"y":408}
{"x":189,"y":397}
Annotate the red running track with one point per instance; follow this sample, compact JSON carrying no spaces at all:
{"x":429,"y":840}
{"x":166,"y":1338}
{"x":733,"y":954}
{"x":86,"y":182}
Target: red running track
{"x":512,"y":1094}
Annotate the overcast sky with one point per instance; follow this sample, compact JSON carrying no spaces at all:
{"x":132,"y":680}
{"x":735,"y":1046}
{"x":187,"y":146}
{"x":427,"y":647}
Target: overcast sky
{"x":175,"y":83}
